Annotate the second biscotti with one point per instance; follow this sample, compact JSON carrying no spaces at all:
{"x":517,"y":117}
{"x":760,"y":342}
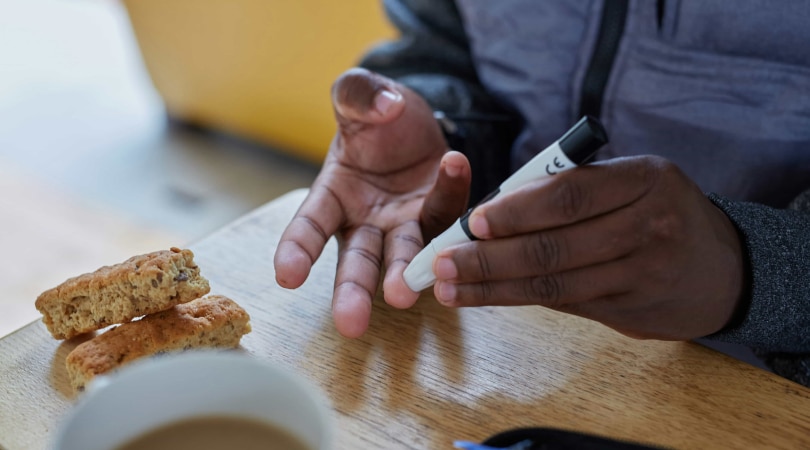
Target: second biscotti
{"x":141,"y":285}
{"x":209,"y":322}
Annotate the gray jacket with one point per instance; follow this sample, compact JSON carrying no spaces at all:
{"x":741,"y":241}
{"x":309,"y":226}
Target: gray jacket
{"x":720,"y":88}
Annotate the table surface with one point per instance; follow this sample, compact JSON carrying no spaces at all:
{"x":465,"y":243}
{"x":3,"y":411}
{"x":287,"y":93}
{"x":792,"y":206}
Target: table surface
{"x":424,"y":377}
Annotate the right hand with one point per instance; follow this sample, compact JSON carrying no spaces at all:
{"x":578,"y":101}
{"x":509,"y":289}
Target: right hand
{"x":387,"y":178}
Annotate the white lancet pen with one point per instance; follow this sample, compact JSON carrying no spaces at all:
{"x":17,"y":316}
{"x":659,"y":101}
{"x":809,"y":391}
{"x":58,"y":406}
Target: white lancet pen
{"x":575,"y":147}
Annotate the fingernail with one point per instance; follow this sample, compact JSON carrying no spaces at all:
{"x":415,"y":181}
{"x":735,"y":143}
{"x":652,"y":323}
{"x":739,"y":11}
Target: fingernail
{"x":452,"y":170}
{"x":384,"y":100}
{"x":446,"y":292}
{"x":479,"y":226}
{"x":446,"y":269}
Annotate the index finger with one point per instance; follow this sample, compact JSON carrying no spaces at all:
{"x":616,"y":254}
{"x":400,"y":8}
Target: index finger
{"x":303,"y":240}
{"x":566,"y":198}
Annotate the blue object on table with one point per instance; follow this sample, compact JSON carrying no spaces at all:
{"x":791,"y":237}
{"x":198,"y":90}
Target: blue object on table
{"x":466,"y":445}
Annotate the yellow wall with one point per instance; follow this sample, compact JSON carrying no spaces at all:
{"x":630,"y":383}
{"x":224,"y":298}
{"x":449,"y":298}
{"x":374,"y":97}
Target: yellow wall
{"x":257,"y":68}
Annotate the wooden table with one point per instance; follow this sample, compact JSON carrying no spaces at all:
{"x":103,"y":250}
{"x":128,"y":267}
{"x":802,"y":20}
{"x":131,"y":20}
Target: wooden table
{"x":423,"y":377}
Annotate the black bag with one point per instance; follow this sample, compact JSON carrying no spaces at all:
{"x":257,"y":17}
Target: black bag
{"x":555,"y":439}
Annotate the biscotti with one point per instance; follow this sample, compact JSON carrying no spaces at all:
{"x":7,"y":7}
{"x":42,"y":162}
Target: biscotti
{"x":141,"y":285}
{"x":213,"y":321}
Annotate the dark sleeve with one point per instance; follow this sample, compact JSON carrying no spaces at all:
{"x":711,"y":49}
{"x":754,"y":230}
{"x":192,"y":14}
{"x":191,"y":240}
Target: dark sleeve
{"x":432,"y":57}
{"x":774,"y":319}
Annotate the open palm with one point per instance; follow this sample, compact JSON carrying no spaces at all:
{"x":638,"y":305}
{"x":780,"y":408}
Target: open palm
{"x":381,"y":169}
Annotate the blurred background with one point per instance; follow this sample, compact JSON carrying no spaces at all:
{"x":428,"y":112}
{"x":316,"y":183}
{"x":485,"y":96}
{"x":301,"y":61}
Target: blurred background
{"x":132,"y":126}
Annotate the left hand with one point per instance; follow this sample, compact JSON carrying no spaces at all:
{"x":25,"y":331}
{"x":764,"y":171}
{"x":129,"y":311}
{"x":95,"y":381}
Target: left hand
{"x":387,"y":184}
{"x":631,"y":242}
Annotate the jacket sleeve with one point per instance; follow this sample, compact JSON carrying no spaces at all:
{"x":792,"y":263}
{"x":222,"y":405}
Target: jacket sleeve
{"x":775,"y":317}
{"x":432,"y":57}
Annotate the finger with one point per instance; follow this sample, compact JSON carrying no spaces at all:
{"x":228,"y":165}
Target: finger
{"x":401,"y":245}
{"x":566,"y":198}
{"x":553,"y":291}
{"x":376,"y":114}
{"x":356,"y":280}
{"x":360,"y":95}
{"x":306,"y":235}
{"x":598,"y":240}
{"x":448,"y":198}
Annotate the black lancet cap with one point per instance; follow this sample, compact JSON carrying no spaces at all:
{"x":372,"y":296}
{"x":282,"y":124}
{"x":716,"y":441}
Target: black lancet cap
{"x":583,"y":140}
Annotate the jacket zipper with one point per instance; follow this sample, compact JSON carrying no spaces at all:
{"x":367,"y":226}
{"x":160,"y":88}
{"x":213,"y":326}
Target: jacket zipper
{"x":611,"y":28}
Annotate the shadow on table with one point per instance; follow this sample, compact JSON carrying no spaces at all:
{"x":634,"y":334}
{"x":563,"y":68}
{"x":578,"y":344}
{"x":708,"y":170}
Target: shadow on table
{"x":59,"y":378}
{"x":430,"y":365}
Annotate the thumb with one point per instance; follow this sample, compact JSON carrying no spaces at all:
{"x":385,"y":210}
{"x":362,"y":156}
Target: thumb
{"x":447,"y":199}
{"x":360,"y":95}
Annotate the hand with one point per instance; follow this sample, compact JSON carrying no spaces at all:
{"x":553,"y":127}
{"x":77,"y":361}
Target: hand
{"x":630,"y":242}
{"x":386,"y":178}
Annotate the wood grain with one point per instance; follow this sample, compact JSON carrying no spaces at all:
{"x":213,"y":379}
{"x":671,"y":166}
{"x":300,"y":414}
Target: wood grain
{"x":423,"y":377}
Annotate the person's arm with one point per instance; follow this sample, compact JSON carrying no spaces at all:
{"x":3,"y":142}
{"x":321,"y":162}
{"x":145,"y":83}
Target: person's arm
{"x":774,"y":318}
{"x":432,"y":57}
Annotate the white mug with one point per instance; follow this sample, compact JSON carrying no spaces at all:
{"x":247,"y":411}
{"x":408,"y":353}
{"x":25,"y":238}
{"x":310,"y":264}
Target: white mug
{"x":149,"y":394}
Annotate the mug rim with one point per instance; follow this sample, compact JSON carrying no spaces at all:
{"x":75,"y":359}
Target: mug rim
{"x":184,"y":362}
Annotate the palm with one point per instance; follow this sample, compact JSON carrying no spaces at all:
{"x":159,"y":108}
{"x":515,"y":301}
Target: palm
{"x":380,"y":190}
